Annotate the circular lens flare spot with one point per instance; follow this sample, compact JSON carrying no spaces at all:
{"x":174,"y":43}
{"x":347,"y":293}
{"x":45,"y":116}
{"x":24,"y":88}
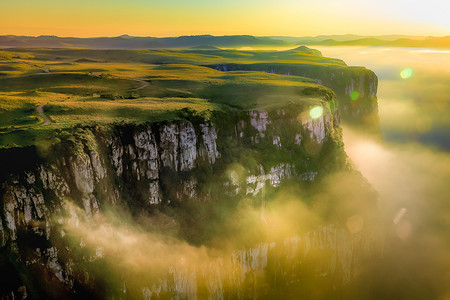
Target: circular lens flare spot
{"x":316,"y":112}
{"x":406,"y":73}
{"x":354,"y":95}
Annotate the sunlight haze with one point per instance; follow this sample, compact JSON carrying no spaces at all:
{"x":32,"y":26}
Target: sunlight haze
{"x":234,"y":149}
{"x":265,"y":17}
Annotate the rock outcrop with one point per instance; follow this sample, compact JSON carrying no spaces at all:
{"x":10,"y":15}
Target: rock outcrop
{"x":144,"y":166}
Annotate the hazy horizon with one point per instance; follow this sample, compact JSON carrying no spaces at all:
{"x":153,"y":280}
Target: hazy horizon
{"x":259,"y":18}
{"x":222,"y":35}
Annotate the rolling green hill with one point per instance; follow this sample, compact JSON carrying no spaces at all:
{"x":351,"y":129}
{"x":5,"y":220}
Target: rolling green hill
{"x":84,"y":86}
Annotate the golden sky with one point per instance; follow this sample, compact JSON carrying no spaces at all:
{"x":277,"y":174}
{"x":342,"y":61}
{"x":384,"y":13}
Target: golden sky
{"x":86,"y":18}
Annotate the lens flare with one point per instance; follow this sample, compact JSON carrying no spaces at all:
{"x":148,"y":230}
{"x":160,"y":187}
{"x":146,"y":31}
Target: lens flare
{"x":316,"y":112}
{"x":406,"y":73}
{"x":354,"y":95}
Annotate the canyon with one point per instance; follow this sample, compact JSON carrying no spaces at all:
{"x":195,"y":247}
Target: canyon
{"x":190,"y":177}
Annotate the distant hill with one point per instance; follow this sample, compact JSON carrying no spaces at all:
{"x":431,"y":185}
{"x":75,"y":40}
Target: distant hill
{"x":130,"y":42}
{"x":305,"y":49}
{"x":205,"y":47}
{"x":344,"y":37}
{"x":209,"y":42}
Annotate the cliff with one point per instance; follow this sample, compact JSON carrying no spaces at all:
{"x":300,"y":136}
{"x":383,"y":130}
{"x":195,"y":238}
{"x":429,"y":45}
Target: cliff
{"x":187,"y":169}
{"x":355,"y":87}
{"x":83,"y":86}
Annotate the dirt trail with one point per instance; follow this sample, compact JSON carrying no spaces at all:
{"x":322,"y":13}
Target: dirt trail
{"x":143,"y":83}
{"x":40,"y":111}
{"x":46,"y":70}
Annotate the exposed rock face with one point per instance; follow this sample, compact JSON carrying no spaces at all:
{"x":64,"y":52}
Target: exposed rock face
{"x":282,"y":260}
{"x":22,"y":206}
{"x":365,"y":85}
{"x":188,"y":146}
{"x":209,"y":147}
{"x":169,"y":146}
{"x":82,"y":167}
{"x":51,"y":180}
{"x":138,"y":163}
{"x":259,"y":120}
{"x":316,"y":128}
{"x":255,"y":183}
{"x":146,"y":154}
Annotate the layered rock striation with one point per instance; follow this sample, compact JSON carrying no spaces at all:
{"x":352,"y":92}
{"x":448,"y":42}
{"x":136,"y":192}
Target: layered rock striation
{"x":143,"y":167}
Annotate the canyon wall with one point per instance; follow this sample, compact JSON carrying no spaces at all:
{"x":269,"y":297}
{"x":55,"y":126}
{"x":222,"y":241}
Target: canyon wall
{"x":225,"y":157}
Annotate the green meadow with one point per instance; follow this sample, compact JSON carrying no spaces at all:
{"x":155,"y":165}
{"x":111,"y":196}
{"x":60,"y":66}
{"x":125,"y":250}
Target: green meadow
{"x":87,"y":87}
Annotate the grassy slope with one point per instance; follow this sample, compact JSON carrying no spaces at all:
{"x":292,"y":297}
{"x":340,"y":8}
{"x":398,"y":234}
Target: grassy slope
{"x":82,"y":86}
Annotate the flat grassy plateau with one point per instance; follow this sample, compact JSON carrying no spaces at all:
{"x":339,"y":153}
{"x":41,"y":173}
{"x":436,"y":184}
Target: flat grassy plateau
{"x":95,"y":87}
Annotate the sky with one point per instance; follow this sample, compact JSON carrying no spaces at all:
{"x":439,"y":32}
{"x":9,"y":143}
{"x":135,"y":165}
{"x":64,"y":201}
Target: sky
{"x":88,"y":18}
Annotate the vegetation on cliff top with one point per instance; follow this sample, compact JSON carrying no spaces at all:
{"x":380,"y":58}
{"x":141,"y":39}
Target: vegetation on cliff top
{"x":80,"y":86}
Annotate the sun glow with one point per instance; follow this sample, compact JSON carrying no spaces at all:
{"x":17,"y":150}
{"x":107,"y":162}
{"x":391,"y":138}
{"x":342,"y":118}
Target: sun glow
{"x":406,"y":73}
{"x":176,"y":17}
{"x":354,"y":95}
{"x":316,"y":112}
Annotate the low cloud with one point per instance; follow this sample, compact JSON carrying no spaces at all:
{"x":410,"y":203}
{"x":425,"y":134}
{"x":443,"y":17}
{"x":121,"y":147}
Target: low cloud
{"x":412,"y":181}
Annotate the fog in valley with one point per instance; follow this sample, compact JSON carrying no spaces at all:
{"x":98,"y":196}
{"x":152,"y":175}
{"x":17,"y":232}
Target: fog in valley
{"x":410,"y":168}
{"x":412,"y":108}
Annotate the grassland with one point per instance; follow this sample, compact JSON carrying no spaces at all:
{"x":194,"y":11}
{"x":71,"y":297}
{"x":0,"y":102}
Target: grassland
{"x":79,"y":86}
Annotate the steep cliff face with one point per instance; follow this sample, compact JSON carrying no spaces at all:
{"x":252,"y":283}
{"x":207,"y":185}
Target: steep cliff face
{"x":355,"y":87}
{"x":327,"y":253}
{"x":143,"y":167}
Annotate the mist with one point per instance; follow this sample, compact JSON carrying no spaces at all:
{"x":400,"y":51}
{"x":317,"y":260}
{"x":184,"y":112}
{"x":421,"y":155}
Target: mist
{"x":410,"y":170}
{"x":412,"y":109}
{"x":269,"y":246}
{"x":413,"y":184}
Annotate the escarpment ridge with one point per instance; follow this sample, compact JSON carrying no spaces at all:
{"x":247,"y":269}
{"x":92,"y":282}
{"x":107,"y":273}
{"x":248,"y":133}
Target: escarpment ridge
{"x":201,"y":184}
